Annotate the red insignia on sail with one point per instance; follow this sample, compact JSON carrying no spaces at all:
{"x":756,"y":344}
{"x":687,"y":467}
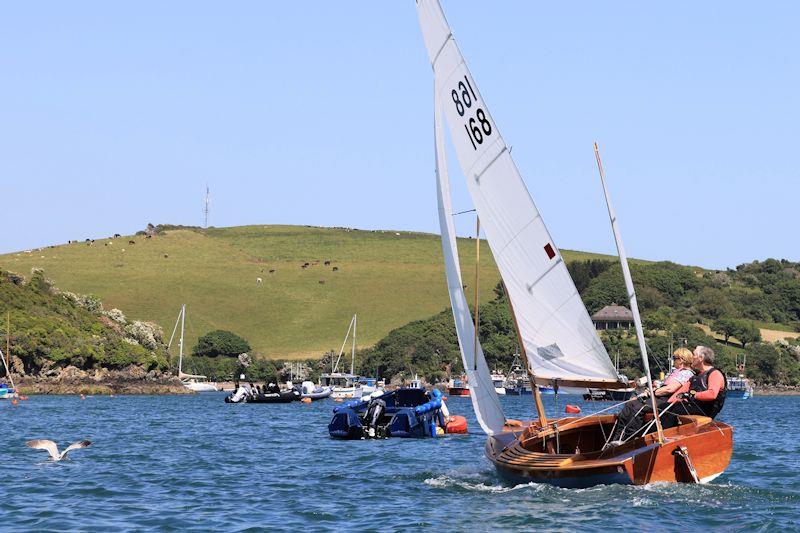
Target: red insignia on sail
{"x":548,"y":248}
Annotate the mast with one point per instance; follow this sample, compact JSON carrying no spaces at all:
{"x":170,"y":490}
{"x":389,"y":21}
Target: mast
{"x":477,"y":279}
{"x":353,"y":356}
{"x":180,"y":343}
{"x":344,"y":343}
{"x":8,"y":340}
{"x":537,"y":397}
{"x":626,"y":273}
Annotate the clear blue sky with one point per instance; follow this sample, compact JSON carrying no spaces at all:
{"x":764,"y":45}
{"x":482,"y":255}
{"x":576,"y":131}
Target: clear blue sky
{"x":117,"y":114}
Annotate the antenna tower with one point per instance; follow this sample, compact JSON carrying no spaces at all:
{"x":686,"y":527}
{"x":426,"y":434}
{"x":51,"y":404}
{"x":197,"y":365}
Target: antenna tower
{"x":205,"y":206}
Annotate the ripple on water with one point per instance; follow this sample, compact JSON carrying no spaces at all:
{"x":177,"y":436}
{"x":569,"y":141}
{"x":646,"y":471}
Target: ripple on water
{"x":194,"y":462}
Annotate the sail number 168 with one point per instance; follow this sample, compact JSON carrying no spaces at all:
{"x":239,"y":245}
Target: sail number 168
{"x":477,"y":127}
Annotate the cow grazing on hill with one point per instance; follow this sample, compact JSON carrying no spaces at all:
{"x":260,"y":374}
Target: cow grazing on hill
{"x":166,"y":256}
{"x":131,"y":242}
{"x":335,"y":269}
{"x":322,"y":282}
{"x":258,"y":280}
{"x":327,"y":263}
{"x":117,"y":235}
{"x":271,"y":270}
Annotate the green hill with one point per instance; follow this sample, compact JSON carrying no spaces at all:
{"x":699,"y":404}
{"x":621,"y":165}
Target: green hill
{"x":389,"y":278}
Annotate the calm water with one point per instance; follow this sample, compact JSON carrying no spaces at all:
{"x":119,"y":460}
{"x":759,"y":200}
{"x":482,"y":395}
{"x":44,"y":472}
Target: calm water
{"x":197,"y":463}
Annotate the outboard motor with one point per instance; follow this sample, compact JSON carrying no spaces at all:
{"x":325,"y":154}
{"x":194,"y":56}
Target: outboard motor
{"x":346,"y":424}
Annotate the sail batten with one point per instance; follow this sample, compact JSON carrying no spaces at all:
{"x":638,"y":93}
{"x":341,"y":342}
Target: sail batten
{"x":554,"y":325}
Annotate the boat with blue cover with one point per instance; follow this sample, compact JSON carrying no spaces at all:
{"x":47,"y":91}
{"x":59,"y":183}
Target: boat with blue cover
{"x":405,"y":413}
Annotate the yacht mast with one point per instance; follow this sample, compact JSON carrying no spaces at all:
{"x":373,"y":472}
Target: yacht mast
{"x":180,"y":343}
{"x":353,"y":356}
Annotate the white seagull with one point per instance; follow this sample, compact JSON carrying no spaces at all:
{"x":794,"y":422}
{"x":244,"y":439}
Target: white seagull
{"x":52,"y":449}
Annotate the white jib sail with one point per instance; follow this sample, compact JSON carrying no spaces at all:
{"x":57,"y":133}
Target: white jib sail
{"x":484,"y":398}
{"x":559,"y":337}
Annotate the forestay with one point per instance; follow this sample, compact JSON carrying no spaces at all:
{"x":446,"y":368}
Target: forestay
{"x":557,"y":333}
{"x":484,"y":398}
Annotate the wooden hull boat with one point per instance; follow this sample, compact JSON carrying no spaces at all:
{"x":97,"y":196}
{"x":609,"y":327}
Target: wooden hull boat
{"x":698,"y":450}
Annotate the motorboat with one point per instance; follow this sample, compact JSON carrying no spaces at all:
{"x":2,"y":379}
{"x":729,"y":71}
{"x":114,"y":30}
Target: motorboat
{"x":405,"y":413}
{"x":315,"y":392}
{"x":247,"y":394}
{"x":499,"y":382}
{"x":458,"y":387}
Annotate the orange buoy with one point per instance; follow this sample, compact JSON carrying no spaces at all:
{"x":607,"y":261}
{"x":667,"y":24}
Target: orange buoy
{"x":456,"y":424}
{"x":338,"y":400}
{"x":14,"y":401}
{"x":572,"y":409}
{"x":305,"y":400}
{"x":444,"y":398}
{"x":23,"y":398}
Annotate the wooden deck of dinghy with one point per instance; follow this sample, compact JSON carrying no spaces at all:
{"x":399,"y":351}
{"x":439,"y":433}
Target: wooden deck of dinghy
{"x":528,"y":454}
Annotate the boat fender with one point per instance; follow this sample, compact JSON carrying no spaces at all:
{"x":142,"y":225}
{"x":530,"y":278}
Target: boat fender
{"x":436,"y":393}
{"x":305,"y":400}
{"x":432,"y":428}
{"x":572,"y":409}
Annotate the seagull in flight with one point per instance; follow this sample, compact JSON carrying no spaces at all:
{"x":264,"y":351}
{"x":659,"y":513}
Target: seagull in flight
{"x":52,"y":449}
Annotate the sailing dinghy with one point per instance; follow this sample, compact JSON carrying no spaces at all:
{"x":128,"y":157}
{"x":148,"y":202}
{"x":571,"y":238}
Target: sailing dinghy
{"x":557,"y":338}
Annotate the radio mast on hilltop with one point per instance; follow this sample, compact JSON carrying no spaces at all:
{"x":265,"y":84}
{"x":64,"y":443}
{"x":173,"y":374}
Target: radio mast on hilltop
{"x":205,"y":206}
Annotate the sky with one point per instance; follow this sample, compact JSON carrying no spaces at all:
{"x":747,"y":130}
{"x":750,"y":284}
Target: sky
{"x":117,"y":114}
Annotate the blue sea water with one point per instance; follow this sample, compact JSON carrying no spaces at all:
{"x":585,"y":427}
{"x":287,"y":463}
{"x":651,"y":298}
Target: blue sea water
{"x":194,"y":462}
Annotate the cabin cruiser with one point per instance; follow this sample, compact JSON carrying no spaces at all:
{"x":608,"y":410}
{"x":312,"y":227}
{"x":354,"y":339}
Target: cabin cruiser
{"x":499,"y":382}
{"x":342,"y":385}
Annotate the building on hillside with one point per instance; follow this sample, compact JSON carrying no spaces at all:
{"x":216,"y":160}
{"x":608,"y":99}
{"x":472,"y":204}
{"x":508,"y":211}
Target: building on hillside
{"x":612,"y":317}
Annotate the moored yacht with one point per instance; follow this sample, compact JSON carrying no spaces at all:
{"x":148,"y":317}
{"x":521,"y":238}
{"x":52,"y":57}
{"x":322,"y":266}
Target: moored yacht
{"x":194,"y":382}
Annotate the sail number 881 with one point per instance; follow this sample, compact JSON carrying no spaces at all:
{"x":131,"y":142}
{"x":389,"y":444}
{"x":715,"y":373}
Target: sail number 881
{"x":477,"y":127}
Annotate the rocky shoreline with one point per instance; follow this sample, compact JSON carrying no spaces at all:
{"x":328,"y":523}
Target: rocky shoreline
{"x":779,"y":390}
{"x":72,"y":380}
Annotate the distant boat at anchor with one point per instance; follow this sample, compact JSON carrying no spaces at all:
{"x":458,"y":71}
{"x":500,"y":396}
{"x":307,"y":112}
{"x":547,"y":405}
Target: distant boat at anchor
{"x":193,"y":382}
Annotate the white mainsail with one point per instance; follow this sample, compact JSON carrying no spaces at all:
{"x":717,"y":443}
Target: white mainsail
{"x":559,"y":337}
{"x":484,"y":398}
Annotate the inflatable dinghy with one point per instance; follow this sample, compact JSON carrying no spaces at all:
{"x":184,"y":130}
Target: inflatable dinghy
{"x":311,"y":391}
{"x":404,"y":413}
{"x":247,"y":395}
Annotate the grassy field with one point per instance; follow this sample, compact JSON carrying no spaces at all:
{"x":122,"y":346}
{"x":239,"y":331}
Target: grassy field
{"x":389,"y":278}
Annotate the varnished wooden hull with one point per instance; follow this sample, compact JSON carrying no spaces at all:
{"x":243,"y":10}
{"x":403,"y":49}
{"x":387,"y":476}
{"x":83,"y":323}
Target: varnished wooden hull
{"x":520,"y":456}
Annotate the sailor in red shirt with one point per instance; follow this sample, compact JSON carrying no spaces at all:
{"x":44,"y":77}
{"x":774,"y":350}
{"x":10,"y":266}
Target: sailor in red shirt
{"x":704,"y":394}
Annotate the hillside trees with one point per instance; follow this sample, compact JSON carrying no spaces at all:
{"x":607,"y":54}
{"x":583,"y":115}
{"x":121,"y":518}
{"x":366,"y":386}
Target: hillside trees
{"x":220,"y":343}
{"x":727,"y":326}
{"x":51,"y":328}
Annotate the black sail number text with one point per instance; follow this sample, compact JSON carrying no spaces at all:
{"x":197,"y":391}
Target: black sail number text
{"x":478,"y":126}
